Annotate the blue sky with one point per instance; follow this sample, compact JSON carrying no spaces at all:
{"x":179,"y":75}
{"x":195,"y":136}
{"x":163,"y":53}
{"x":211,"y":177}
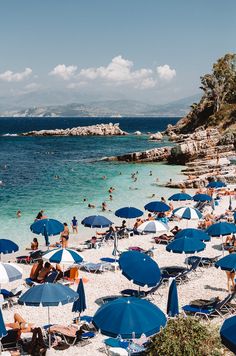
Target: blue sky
{"x":152,"y":50}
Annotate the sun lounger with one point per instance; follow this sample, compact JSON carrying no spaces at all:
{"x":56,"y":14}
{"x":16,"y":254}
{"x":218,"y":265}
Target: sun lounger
{"x":96,"y":267}
{"x":33,"y":256}
{"x":71,"y":334}
{"x":51,"y":278}
{"x":221,"y":309}
{"x":163,"y":239}
{"x":10,"y":341}
{"x":142,"y":294}
{"x":203,"y":261}
{"x":11,"y":297}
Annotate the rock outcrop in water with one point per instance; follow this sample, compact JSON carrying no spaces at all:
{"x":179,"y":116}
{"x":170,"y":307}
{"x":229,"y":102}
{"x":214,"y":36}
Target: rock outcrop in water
{"x":159,"y":154}
{"x":93,"y":130}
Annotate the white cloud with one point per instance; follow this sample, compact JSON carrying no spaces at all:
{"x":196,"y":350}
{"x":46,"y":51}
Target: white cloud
{"x":165,"y":72}
{"x":119,"y":71}
{"x":9,"y":76}
{"x":63,"y":71}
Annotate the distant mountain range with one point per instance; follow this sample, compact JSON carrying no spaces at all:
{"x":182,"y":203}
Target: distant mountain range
{"x":106,"y":108}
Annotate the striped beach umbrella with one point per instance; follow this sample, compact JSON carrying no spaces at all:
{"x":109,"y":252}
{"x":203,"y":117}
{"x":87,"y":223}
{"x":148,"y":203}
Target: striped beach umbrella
{"x":153,"y":227}
{"x":63,"y":255}
{"x":10,"y":272}
{"x":187,"y":213}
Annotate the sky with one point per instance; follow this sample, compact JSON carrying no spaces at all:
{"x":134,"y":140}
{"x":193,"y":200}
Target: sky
{"x":151,"y":50}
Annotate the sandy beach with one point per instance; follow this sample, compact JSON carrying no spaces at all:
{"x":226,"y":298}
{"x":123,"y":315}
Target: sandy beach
{"x":210,"y":283}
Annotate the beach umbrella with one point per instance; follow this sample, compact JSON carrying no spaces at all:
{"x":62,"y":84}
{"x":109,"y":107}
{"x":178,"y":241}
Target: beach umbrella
{"x":157,"y":206}
{"x":185,"y":245}
{"x":172,"y":303}
{"x":96,"y":221}
{"x":193,"y":233}
{"x":10,"y":272}
{"x":216,"y":185}
{"x":48,"y":295}
{"x":63,"y":256}
{"x":221,"y":228}
{"x":202,"y":197}
{"x":228,"y":333}
{"x":47,"y":227}
{"x":140,"y":268}
{"x":80,"y":304}
{"x":153,"y":227}
{"x":8,"y":246}
{"x":187,"y":213}
{"x":128,"y":212}
{"x":227,"y":263}
{"x":3,"y":331}
{"x":129,"y":318}
{"x":180,"y":197}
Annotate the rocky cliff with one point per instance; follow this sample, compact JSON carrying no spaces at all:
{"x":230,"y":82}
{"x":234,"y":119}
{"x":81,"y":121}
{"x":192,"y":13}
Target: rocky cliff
{"x":93,"y":130}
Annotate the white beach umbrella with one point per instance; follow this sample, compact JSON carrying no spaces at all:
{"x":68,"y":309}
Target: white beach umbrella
{"x":63,"y":256}
{"x":187,"y":213}
{"x":9,"y":272}
{"x":153,"y":227}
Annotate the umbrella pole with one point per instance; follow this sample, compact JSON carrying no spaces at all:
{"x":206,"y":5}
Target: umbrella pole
{"x":49,"y":334}
{"x":223,"y":251}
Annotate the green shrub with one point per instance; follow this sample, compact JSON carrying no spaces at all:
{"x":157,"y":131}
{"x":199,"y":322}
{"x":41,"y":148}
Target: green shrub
{"x":186,"y":337}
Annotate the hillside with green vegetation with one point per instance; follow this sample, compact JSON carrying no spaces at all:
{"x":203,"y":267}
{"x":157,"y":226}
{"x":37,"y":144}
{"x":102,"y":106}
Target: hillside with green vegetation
{"x":217,"y":107}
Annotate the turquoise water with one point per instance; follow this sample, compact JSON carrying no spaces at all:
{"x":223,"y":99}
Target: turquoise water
{"x":56,"y":174}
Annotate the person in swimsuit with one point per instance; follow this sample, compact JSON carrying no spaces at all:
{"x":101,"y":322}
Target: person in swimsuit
{"x":65,"y":236}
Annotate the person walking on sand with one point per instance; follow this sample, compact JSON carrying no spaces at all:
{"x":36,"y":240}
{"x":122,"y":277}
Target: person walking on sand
{"x":230,"y":278}
{"x":74,"y":225}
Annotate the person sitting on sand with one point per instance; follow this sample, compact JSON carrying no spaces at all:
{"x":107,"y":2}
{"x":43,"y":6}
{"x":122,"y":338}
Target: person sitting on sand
{"x":150,"y":217}
{"x":43,"y":273}
{"x":34,"y":244}
{"x":20,"y":324}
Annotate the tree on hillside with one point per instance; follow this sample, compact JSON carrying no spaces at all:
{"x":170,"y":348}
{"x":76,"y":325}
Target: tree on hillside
{"x":220,"y":86}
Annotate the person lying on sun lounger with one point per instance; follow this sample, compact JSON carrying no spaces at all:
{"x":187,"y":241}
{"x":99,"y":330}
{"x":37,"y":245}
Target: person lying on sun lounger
{"x":20,"y":324}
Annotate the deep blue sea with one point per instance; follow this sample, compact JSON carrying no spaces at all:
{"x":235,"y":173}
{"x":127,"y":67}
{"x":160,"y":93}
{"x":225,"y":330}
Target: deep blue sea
{"x":57,"y":173}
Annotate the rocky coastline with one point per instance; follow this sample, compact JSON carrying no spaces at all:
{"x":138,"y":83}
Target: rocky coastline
{"x":93,"y":130}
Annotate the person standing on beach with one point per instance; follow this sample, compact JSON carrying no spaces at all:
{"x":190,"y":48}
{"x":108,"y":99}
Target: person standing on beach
{"x":74,"y":225}
{"x":65,"y":236}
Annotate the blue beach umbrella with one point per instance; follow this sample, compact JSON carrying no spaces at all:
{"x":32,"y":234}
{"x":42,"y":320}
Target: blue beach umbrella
{"x":202,"y":197}
{"x":8,"y":246}
{"x":216,"y":185}
{"x":129,"y":318}
{"x":221,"y":229}
{"x":139,"y":268}
{"x":47,"y":227}
{"x":180,"y":197}
{"x":187,"y":213}
{"x":128,"y":212}
{"x":157,"y":206}
{"x":63,"y":255}
{"x":227,"y":263}
{"x":48,"y":295}
{"x":96,"y":221}
{"x":228,"y":333}
{"x":172,"y":303}
{"x":80,"y":304}
{"x":185,"y":245}
{"x":193,"y":233}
